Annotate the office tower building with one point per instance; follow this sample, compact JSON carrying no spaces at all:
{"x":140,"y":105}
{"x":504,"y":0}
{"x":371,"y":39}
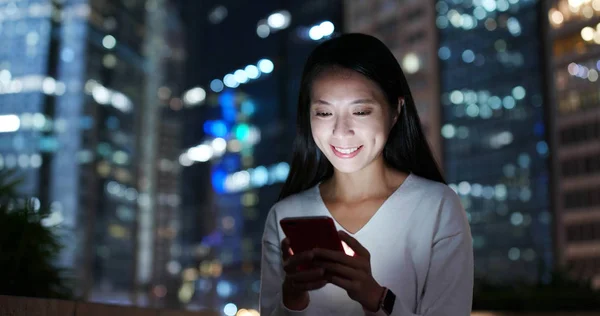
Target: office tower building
{"x":75,"y":94}
{"x":493,"y":124}
{"x":158,"y":245}
{"x":574,"y":62}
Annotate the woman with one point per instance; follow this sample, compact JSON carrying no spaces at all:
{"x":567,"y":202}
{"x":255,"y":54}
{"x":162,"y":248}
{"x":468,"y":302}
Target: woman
{"x":360,"y":157}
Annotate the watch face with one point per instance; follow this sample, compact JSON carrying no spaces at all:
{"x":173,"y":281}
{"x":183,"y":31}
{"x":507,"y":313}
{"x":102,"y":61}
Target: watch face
{"x":388,"y":302}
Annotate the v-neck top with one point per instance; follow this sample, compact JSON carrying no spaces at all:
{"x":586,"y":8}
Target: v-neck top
{"x":381,"y":208}
{"x":420,"y":245}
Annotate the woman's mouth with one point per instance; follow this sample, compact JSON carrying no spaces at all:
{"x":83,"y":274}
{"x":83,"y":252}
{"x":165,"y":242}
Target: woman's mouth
{"x":346,"y":152}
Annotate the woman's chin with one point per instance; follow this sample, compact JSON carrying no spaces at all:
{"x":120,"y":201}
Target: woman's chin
{"x":347,"y":166}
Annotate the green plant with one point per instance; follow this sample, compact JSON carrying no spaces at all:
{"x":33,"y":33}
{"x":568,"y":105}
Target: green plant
{"x":28,"y":248}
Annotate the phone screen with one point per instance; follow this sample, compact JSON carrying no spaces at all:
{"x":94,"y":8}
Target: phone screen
{"x":306,"y":233}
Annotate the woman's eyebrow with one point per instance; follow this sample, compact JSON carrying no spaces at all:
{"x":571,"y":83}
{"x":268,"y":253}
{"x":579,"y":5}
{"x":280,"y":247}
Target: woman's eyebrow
{"x":321,"y":102}
{"x":357,"y":101}
{"x":364,"y":101}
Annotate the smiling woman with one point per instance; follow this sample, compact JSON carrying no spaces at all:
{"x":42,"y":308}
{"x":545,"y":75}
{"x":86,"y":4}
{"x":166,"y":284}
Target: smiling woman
{"x":350,"y":118}
{"x":360,"y":157}
{"x":367,"y":76}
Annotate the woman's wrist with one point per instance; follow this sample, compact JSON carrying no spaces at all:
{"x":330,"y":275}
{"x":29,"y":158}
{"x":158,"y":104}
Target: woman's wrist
{"x":375,"y":301}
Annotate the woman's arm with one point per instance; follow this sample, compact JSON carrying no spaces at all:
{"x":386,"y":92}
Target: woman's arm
{"x":448,"y":289}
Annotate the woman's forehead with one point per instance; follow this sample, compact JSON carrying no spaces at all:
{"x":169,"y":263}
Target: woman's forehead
{"x":345,"y":86}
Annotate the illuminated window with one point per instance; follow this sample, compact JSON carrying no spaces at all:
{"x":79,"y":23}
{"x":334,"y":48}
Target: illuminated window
{"x":249,"y":199}
{"x":228,"y":223}
{"x":118,"y":231}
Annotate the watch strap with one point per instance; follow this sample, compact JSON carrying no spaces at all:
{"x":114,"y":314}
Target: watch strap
{"x":387,"y":302}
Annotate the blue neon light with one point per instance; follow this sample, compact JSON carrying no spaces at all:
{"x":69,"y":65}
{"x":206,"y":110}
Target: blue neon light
{"x":248,"y":107}
{"x":218,"y":180}
{"x":539,"y":129}
{"x":227,"y":102}
{"x":216,"y":128}
{"x":242,"y":131}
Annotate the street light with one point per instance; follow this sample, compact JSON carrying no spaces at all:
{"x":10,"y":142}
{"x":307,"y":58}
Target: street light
{"x":279,"y":20}
{"x":9,"y":123}
{"x":194,"y":96}
{"x":322,"y":30}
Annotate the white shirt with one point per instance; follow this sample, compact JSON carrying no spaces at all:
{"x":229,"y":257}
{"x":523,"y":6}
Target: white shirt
{"x":420,"y":245}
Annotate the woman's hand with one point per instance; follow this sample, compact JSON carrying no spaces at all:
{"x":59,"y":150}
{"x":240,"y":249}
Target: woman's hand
{"x":298,"y":282}
{"x":351,"y":273}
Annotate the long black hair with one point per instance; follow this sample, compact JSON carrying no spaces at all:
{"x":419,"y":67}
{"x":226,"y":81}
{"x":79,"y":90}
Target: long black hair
{"x":406,"y":149}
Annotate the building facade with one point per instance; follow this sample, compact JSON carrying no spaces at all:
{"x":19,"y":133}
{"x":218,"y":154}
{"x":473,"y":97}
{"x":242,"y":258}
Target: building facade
{"x":493,"y":123}
{"x":574,"y":63}
{"x":75,"y":94}
{"x":33,"y":113}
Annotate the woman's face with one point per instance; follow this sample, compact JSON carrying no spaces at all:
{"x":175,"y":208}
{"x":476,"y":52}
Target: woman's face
{"x":350,"y":119}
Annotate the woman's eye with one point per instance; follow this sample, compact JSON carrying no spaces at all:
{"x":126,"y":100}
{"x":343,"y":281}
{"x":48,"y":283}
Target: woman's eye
{"x":362,"y":113}
{"x":323,"y":114}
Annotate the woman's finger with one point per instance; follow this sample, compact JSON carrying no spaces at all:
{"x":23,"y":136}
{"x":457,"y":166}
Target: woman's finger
{"x":340,"y":270}
{"x":286,"y":249}
{"x":339,"y":257}
{"x":310,"y":286}
{"x":307,"y":276}
{"x":291,"y":265}
{"x":345,"y":284}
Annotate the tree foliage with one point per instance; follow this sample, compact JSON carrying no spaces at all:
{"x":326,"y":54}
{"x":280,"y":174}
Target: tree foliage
{"x":28,"y":248}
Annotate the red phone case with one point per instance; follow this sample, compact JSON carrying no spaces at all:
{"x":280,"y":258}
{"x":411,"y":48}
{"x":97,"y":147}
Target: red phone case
{"x":306,"y":233}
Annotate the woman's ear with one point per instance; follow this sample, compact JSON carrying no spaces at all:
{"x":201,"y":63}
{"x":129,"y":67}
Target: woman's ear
{"x":399,"y":109}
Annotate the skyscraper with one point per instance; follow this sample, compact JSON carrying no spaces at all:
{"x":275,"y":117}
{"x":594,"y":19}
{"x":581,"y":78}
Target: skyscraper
{"x":166,"y":266}
{"x":41,"y":102}
{"x":32,"y":105}
{"x":75,"y":93}
{"x":408,"y":29}
{"x":495,"y":150}
{"x":574,"y":51}
{"x":165,"y":51}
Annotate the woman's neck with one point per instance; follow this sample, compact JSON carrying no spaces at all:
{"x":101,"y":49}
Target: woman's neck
{"x":374,"y":181}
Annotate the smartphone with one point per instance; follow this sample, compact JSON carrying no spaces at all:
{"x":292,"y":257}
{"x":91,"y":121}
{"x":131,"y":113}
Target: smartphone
{"x":307,"y":233}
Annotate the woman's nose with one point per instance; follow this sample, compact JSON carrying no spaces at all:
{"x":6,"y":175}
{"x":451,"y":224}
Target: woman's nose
{"x":343,"y":127}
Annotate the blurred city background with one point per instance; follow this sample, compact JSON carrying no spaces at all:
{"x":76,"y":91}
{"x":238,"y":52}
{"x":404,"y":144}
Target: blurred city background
{"x":157,"y":134}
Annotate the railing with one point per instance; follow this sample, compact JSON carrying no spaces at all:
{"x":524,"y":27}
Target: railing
{"x":566,"y":313}
{"x":24,"y":306}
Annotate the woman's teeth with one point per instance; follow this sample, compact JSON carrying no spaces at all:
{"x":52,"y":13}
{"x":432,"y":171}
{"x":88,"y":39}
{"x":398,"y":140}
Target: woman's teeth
{"x":346,"y":150}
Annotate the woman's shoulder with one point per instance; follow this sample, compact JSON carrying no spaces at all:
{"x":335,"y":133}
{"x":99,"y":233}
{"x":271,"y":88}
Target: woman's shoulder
{"x":431,"y":189}
{"x":441,"y":200}
{"x":298,"y":204}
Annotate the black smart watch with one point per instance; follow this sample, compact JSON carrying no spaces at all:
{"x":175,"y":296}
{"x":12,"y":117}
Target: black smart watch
{"x":388,"y":301}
